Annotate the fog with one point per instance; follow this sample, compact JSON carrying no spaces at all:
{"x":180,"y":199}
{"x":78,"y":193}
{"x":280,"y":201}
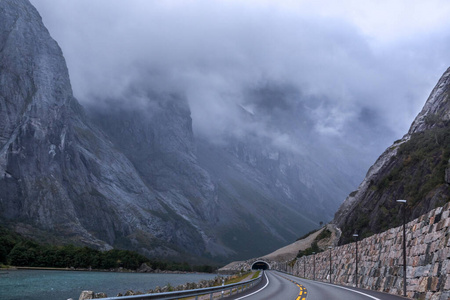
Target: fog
{"x":355,"y":71}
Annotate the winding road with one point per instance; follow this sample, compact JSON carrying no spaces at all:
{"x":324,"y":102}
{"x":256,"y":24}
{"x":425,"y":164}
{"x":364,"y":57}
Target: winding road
{"x":279,"y":286}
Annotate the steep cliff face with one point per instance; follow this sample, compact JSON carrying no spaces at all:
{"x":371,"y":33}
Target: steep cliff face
{"x":414,"y":168}
{"x":61,"y":178}
{"x":156,"y":136}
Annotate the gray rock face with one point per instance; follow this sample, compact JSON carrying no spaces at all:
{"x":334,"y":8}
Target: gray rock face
{"x":60,"y":174}
{"x":437,"y":108}
{"x":157,"y":138}
{"x":447,"y":173}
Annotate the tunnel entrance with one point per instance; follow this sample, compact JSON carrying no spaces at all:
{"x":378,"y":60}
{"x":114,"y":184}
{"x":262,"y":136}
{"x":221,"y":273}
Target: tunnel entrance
{"x":260,"y":265}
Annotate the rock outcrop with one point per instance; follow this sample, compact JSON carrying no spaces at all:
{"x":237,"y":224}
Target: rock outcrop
{"x":414,"y":168}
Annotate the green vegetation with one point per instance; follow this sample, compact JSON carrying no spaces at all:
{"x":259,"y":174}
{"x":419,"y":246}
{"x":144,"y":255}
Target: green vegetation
{"x":420,"y":165}
{"x":314,"y":246}
{"x":308,"y":251}
{"x":323,"y":235}
{"x":416,"y":173}
{"x":256,"y":274}
{"x":236,"y":279}
{"x":18,"y":251}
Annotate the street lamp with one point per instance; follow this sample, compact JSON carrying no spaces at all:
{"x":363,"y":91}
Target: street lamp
{"x":355,"y":235}
{"x":404,"y":245}
{"x":314,"y":263}
{"x":329,"y":247}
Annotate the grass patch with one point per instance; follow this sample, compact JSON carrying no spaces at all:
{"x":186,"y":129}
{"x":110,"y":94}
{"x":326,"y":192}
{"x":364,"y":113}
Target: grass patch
{"x":236,"y":279}
{"x":256,"y":274}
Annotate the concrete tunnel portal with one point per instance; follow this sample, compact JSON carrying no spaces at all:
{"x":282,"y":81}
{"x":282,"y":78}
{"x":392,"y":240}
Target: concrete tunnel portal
{"x":260,"y":265}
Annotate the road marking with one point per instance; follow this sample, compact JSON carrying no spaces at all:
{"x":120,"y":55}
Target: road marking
{"x":341,"y":287}
{"x":302,"y":288}
{"x":257,"y":290}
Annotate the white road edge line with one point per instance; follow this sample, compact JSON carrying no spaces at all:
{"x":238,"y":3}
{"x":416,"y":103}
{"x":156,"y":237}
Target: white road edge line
{"x":257,"y":290}
{"x":341,"y":287}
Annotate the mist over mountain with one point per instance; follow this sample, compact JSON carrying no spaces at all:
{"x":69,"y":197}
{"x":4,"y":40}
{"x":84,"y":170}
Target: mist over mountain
{"x":175,"y":151}
{"x":240,"y":189}
{"x":362,"y":79}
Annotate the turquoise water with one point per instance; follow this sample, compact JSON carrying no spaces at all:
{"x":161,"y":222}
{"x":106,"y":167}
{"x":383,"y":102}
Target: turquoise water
{"x":61,"y":285}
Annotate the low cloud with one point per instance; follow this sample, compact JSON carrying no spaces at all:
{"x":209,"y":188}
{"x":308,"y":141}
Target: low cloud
{"x":331,"y":65}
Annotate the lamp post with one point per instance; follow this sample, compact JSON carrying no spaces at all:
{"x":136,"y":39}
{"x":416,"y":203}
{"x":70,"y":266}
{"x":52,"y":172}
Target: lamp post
{"x":329,"y":247}
{"x":314,"y":264}
{"x":355,"y":235}
{"x":404,"y":245}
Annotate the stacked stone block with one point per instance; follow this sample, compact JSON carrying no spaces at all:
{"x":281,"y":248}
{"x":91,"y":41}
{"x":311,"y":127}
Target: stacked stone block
{"x":380,"y":260}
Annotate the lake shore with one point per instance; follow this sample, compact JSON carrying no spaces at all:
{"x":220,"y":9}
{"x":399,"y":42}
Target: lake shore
{"x":118,"y":270}
{"x":61,"y":284}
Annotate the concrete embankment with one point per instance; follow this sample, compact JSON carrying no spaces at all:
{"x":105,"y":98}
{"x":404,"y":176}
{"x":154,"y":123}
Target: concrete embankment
{"x":380,"y":262}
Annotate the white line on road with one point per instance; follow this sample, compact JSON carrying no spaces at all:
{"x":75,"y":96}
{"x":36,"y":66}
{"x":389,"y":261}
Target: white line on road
{"x":257,"y":290}
{"x":341,"y":287}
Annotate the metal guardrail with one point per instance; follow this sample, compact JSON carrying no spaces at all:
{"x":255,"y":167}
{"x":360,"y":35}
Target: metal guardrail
{"x":238,"y":287}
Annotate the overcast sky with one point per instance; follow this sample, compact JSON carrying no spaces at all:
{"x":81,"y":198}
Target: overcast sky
{"x":376,"y":60}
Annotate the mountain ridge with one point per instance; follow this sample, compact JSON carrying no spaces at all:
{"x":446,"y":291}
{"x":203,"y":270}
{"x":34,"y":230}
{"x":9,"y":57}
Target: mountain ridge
{"x":108,"y":174}
{"x":414,"y":168}
{"x":60,"y":175}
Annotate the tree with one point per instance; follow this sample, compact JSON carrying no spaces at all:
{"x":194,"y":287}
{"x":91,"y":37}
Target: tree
{"x":19,"y":256}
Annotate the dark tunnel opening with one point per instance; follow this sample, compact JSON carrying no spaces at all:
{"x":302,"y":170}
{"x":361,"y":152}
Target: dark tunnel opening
{"x":260,"y":265}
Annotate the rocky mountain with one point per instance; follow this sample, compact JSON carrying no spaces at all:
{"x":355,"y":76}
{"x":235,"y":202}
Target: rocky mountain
{"x":131,"y":174}
{"x":62,"y":180}
{"x":250,"y":195}
{"x":157,"y":138}
{"x":415,"y":168}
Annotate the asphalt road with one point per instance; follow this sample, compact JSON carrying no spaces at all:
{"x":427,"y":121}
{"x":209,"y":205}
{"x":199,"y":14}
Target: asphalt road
{"x":271,"y":287}
{"x":280,"y":286}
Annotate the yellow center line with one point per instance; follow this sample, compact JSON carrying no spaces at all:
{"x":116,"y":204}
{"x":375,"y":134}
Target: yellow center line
{"x":302,"y":289}
{"x":300,"y":294}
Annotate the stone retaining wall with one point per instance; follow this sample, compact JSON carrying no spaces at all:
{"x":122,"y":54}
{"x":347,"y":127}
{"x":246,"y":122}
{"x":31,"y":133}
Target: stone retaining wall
{"x":380,"y":260}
